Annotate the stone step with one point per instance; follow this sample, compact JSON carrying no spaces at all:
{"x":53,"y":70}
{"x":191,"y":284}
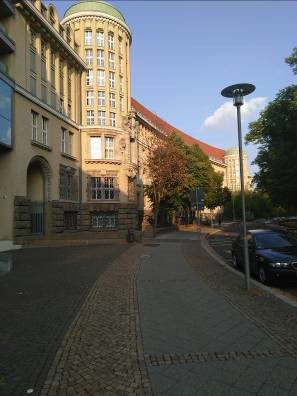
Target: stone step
{"x":8,"y":245}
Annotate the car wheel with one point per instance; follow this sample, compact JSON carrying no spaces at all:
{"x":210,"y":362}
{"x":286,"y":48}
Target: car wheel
{"x":262,"y":274}
{"x":234,"y":261}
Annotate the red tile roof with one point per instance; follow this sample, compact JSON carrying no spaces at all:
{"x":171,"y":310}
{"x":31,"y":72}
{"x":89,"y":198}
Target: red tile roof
{"x":212,"y":152}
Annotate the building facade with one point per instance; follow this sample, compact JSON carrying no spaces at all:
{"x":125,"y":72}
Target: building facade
{"x":73,"y":142}
{"x":233,"y":170}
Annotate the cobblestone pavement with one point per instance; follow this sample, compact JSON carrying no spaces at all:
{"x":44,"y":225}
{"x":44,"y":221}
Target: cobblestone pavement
{"x":39,"y":298}
{"x":101,"y":354}
{"x":159,"y":318}
{"x":203,"y":334}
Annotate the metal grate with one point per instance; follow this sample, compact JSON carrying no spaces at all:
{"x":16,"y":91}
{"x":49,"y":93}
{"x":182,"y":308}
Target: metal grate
{"x":37,"y":218}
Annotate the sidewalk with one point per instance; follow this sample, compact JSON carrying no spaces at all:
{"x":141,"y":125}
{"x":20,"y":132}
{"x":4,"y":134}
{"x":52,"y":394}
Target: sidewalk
{"x":203,"y":334}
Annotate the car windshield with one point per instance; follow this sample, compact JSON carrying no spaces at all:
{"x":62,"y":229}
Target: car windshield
{"x":273,"y":240}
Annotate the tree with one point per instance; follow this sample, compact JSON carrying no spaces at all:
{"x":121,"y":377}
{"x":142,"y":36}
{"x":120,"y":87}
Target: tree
{"x":167,"y":171}
{"x":292,"y":60}
{"x":201,"y":174}
{"x":276,"y":134}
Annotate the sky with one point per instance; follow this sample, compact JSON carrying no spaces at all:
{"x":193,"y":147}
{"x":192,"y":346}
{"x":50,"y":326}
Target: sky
{"x":184,"y":53}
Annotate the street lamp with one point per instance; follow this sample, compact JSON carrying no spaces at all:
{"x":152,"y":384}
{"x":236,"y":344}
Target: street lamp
{"x":237,"y":92}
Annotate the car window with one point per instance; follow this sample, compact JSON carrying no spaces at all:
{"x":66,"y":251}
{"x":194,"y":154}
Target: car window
{"x":273,"y":240}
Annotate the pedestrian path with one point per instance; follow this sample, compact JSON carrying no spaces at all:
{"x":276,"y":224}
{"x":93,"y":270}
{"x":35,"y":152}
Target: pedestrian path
{"x":194,"y":341}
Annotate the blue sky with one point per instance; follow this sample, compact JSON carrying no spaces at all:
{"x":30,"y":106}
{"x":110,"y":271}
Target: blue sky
{"x":184,"y":53}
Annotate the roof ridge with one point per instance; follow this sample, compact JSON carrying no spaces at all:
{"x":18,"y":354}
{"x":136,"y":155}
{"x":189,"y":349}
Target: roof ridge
{"x":211,"y":151}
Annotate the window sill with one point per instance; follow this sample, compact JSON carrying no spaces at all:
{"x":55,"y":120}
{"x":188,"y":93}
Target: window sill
{"x":41,"y":145}
{"x":103,"y":161}
{"x":68,"y":156}
{"x":112,"y":201}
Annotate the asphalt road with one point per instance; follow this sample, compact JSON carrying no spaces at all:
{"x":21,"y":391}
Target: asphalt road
{"x":38,"y":300}
{"x":221,"y":242}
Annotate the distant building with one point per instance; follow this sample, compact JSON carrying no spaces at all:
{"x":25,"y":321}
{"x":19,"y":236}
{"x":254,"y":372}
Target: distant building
{"x":233,"y":170}
{"x":72,"y":140}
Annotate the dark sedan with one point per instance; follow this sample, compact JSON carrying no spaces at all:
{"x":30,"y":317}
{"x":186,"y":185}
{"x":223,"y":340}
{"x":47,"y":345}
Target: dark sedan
{"x":273,"y":255}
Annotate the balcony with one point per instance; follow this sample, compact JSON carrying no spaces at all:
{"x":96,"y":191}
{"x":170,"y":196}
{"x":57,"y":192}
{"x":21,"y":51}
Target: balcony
{"x":7,"y":45}
{"x":6,"y":8}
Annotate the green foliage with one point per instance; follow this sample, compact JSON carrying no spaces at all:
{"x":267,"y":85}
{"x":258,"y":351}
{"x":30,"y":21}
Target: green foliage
{"x":276,"y":134}
{"x":292,"y":60}
{"x":201,"y":174}
{"x":258,"y":205}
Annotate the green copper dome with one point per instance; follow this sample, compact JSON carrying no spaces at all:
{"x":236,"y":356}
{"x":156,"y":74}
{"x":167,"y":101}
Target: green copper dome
{"x":94,"y":5}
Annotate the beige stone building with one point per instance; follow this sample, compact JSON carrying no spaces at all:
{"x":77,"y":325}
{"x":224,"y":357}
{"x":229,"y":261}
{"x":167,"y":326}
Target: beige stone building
{"x":233,"y":169}
{"x":72,"y":140}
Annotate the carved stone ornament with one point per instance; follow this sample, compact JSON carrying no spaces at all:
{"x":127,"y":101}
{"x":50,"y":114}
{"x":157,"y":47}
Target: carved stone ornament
{"x":122,"y":144}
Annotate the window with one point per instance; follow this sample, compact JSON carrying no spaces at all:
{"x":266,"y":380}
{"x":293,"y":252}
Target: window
{"x":90,"y":117}
{"x":95,"y":147}
{"x":63,"y":140}
{"x":89,"y":77}
{"x":101,"y":118}
{"x":120,"y":45}
{"x":68,"y":34}
{"x":69,"y":110}
{"x":111,"y":60}
{"x":112,"y":100}
{"x":101,"y":98}
{"x":33,"y":63}
{"x":33,"y":39}
{"x":100,"y":58}
{"x":102,"y":188}
{"x":88,"y":37}
{"x":111,"y":80}
{"x":100,"y":38}
{"x":5,"y":113}
{"x":70,"y":220}
{"x":43,"y":61}
{"x":90,"y":98}
{"x":62,"y":109}
{"x":110,"y":40}
{"x":121,"y":64}
{"x":34,"y":125}
{"x":121,"y":84}
{"x":32,"y":60}
{"x":33,"y":84}
{"x":100,"y":78}
{"x":52,"y":16}
{"x":121,"y":103}
{"x":108,"y":148}
{"x":53,"y":70}
{"x":69,"y":84}
{"x":68,"y":183}
{"x":53,"y":99}
{"x":112,"y":119}
{"x":44,"y":130}
{"x":70,"y":144}
{"x":43,"y":92}
{"x":61,"y":73}
{"x":104,"y":220}
{"x":89,"y":57}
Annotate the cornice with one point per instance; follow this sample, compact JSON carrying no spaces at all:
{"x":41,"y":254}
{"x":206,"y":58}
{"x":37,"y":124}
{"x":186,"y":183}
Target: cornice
{"x":83,"y":15}
{"x":43,"y":26}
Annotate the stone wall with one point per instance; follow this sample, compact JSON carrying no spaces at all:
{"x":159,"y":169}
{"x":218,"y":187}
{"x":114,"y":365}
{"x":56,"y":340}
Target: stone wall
{"x":22,"y":221}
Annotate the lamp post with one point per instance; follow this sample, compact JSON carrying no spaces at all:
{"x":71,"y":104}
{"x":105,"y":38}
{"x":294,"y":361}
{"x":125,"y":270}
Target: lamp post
{"x":237,"y":92}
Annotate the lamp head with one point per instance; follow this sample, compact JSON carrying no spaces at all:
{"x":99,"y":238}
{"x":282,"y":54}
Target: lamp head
{"x":237,"y":92}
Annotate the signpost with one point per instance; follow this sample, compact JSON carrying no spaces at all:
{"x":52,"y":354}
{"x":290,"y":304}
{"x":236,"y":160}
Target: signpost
{"x":197,"y":202}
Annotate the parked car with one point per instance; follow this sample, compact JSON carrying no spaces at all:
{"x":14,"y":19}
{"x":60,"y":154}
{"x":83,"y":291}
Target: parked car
{"x":272,"y":255}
